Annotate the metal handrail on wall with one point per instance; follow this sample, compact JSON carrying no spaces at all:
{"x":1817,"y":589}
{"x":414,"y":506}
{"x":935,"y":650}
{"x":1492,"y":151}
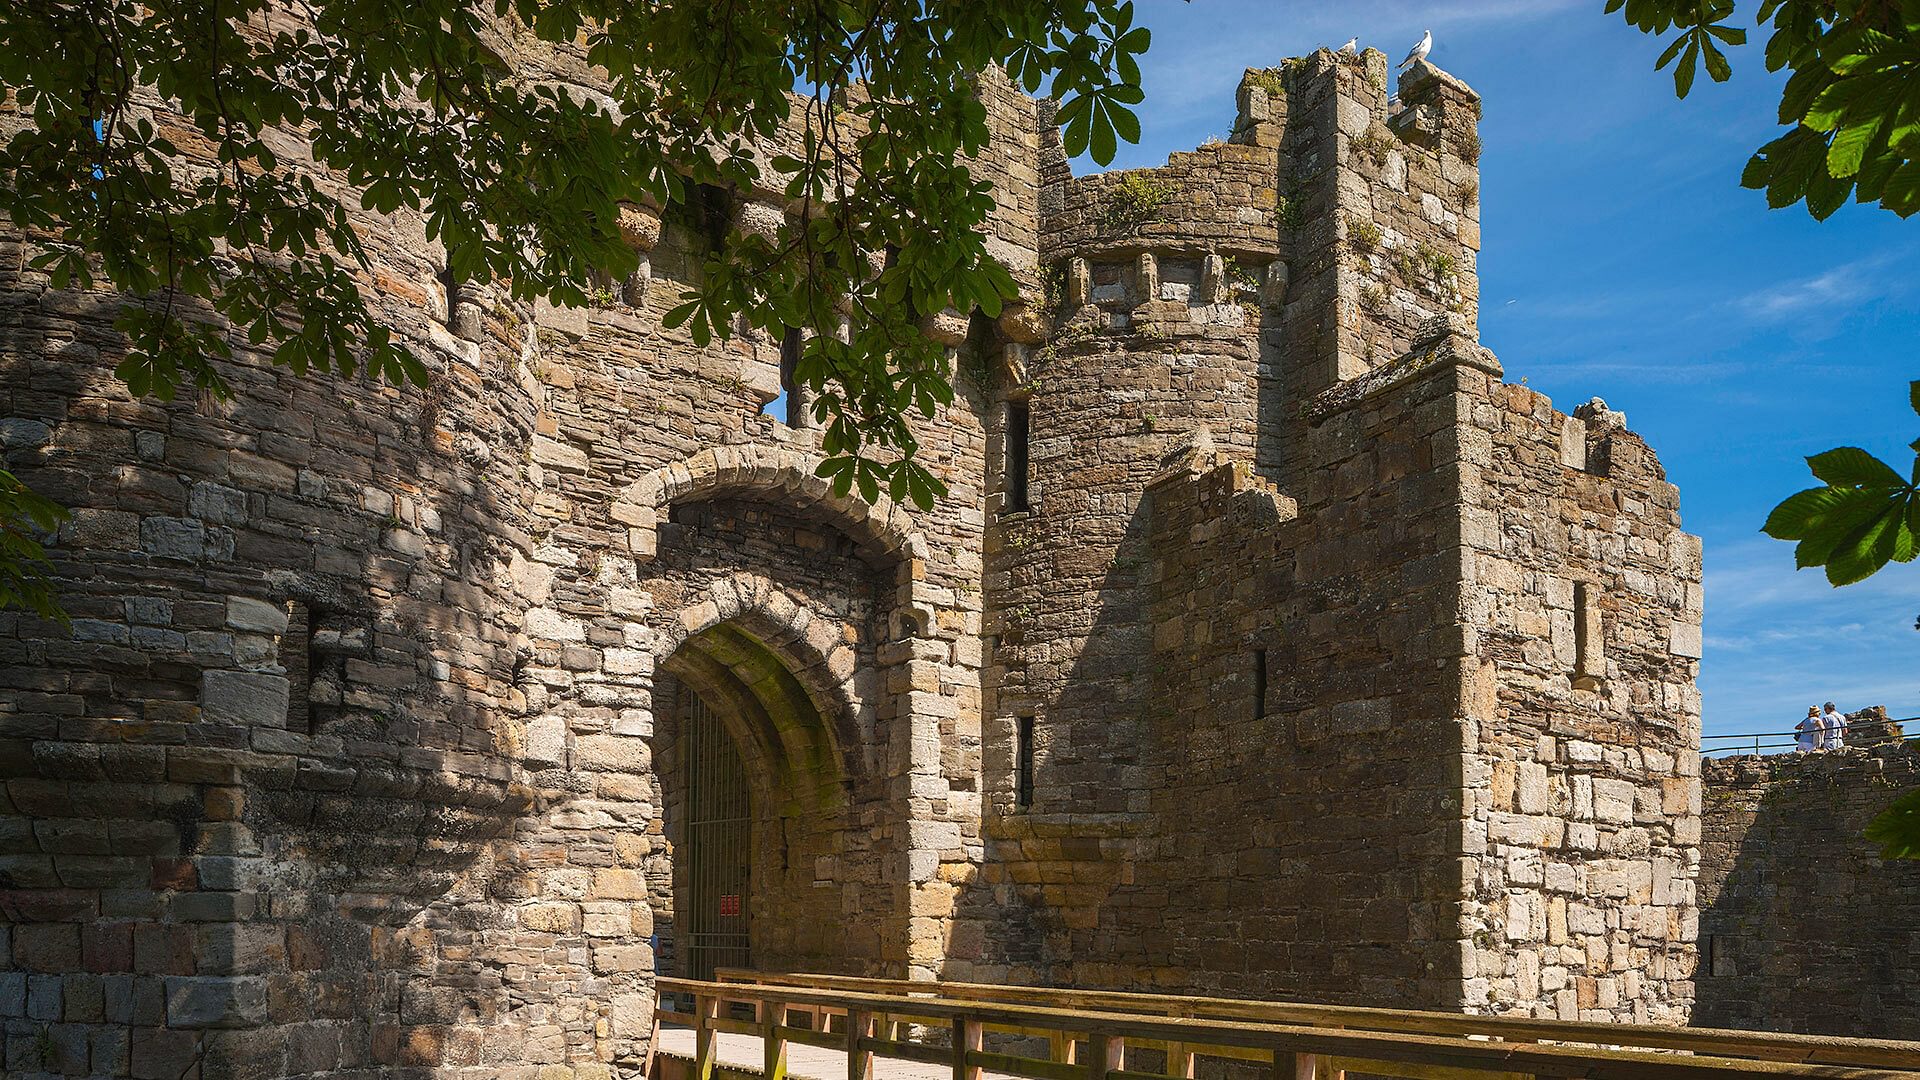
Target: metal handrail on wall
{"x":872,"y":1026}
{"x":1792,"y":738}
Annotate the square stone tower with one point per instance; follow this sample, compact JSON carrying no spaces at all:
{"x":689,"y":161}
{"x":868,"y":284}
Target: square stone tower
{"x":1326,"y":663}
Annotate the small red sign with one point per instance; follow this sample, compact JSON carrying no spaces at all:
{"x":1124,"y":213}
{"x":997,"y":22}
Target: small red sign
{"x":730,"y":904}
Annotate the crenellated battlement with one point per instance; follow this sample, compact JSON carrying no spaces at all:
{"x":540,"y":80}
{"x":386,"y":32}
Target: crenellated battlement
{"x":1334,"y":220}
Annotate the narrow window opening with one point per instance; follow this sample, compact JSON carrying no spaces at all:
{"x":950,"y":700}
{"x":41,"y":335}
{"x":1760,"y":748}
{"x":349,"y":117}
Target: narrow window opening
{"x":296,"y":656}
{"x":1722,"y":958}
{"x":1023,"y":762}
{"x":450,"y":285}
{"x":714,"y":208}
{"x":792,"y":344}
{"x":1259,"y":684}
{"x":982,"y":336}
{"x":1580,"y":604}
{"x":1017,"y":464}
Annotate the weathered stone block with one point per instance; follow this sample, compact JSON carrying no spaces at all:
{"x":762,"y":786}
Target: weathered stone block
{"x":216,"y":1002}
{"x":255,"y":616}
{"x":244,"y":697}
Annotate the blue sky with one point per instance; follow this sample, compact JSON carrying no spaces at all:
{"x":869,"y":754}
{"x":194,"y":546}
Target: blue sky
{"x":1622,"y":258}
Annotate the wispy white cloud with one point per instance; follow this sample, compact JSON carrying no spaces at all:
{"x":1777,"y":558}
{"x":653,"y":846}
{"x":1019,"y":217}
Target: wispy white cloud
{"x":1643,"y":368}
{"x":1838,"y":291}
{"x":1796,"y":634}
{"x":1759,"y":575}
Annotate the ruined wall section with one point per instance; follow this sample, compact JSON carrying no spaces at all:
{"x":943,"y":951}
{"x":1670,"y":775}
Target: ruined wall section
{"x":1580,"y":632}
{"x":640,"y":430}
{"x":491,"y":602}
{"x":1381,"y":200}
{"x":1187,"y":300}
{"x":1804,"y":927}
{"x":1404,"y":623}
{"x":1153,"y":283}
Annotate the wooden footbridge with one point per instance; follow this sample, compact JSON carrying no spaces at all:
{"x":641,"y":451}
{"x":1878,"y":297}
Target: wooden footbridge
{"x":825,"y":1027}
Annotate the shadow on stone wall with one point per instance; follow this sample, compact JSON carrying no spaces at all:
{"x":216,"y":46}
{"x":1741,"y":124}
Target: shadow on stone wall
{"x":200,"y":874}
{"x":1804,"y":927}
{"x":1040,"y":901}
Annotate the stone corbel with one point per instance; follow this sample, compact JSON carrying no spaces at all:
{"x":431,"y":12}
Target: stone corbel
{"x":1273,"y":285}
{"x":1024,"y":323}
{"x":1013,"y":366}
{"x":1214,"y":287}
{"x":1079,"y":282}
{"x":1146,"y":277}
{"x":948,"y":327}
{"x":761,"y":220}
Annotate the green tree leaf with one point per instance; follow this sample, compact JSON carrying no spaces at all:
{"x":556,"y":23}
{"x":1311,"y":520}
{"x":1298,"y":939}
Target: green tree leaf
{"x":1851,"y":466}
{"x":407,"y":110}
{"x":1897,"y":829}
{"x":1851,"y":104}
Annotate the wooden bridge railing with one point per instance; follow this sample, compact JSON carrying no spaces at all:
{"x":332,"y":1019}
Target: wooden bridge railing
{"x":1718,"y":1042}
{"x":871,"y":1025}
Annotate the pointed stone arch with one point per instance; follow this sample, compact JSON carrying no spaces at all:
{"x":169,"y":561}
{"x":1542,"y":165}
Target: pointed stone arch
{"x":902,"y":690}
{"x":793,"y":684}
{"x":809,"y":669}
{"x":785,"y":473}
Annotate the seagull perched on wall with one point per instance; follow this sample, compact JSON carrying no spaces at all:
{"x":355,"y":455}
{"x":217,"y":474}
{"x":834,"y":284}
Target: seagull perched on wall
{"x":1352,"y":47}
{"x":1420,"y":51}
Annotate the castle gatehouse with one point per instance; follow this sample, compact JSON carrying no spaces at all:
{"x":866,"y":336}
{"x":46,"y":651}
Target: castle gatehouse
{"x":1267,"y":642}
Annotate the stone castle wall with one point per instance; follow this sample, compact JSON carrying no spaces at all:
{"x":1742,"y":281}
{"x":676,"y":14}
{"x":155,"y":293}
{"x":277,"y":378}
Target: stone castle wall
{"x":281,"y":723}
{"x":1803,"y":926}
{"x":361,"y":753}
{"x":1581,"y":759}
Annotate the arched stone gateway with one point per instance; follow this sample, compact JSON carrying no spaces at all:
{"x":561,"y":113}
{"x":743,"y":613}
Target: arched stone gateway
{"x":758,"y":811}
{"x":779,"y":619}
{"x":764,"y":725}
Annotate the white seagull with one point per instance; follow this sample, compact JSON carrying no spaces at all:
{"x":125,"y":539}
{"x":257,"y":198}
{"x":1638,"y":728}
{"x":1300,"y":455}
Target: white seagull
{"x":1352,"y":47}
{"x":1420,"y":51}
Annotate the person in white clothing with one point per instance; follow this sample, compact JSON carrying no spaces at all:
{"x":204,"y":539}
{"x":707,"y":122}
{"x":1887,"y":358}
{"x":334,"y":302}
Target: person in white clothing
{"x":1812,"y":733}
{"x":1834,"y":723}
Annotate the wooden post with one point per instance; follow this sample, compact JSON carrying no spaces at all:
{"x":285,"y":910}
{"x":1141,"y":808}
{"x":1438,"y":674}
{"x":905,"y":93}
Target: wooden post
{"x":859,"y":1058}
{"x":653,"y":1044}
{"x":1062,"y":1046}
{"x":705,"y":1008}
{"x":774,"y":1046}
{"x":1291,"y":1066}
{"x":1104,"y":1054}
{"x":1180,"y":1061}
{"x":967,"y":1035}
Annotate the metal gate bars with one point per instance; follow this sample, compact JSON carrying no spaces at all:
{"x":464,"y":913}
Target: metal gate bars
{"x":717,"y":858}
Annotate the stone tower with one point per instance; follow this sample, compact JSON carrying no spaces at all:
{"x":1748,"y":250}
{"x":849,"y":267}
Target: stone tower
{"x":1371,"y":678}
{"x":1265,"y":642}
